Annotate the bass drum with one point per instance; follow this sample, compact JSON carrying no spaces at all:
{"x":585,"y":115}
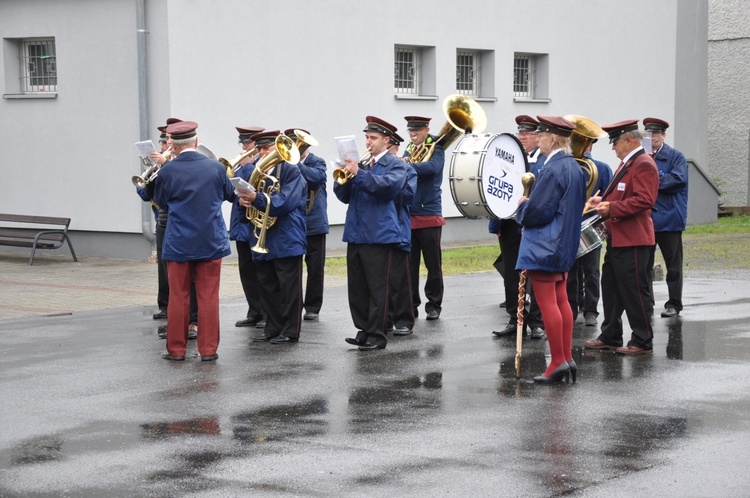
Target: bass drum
{"x":485,"y":175}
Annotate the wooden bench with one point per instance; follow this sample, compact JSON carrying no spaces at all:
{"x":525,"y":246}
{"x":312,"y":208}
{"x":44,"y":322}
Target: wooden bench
{"x":24,"y":234}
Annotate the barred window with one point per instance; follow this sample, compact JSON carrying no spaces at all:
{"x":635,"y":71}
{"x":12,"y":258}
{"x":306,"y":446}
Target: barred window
{"x":38,"y":65}
{"x":407,"y":70}
{"x":468,"y":73}
{"x":523,"y":76}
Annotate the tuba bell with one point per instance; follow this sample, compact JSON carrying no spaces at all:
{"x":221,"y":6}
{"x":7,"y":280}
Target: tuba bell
{"x":587,"y":131}
{"x":463,"y":115}
{"x":267,"y":185}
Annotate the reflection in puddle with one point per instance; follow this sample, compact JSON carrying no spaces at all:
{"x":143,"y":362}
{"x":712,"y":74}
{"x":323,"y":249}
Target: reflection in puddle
{"x":194,"y":427}
{"x":38,"y":449}
{"x":277,"y":423}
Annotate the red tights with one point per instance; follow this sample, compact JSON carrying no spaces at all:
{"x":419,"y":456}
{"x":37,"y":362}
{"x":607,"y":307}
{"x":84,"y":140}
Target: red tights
{"x":552,"y":297}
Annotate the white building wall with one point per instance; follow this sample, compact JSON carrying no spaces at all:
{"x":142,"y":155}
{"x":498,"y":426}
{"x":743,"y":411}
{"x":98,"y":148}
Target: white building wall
{"x":322,"y":66}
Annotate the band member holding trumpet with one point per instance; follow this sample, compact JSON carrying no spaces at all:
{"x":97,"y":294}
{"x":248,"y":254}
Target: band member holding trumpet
{"x":241,"y":231}
{"x":551,"y":220}
{"x":313,"y":169}
{"x":371,"y":231}
{"x":626,"y":208}
{"x":426,"y":216}
{"x":192,"y":189}
{"x":280,"y":194}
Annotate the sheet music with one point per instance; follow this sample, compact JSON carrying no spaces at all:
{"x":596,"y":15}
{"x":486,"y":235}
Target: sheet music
{"x":347,"y":148}
{"x":145,"y":148}
{"x":646,"y":142}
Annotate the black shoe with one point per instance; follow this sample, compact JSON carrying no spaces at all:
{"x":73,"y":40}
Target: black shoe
{"x":560,"y":373}
{"x":263,"y":338}
{"x":509,"y":330}
{"x":162,"y":333}
{"x":247,"y":322}
{"x":170,"y":357}
{"x":573,"y":369}
{"x":536,"y":333}
{"x":368,"y":346}
{"x":261,"y":324}
{"x":282,"y":339}
{"x":211,"y":357}
{"x":433,"y":315}
{"x":193,"y":331}
{"x":402,"y":331}
{"x":310,"y":316}
{"x":353,"y":341}
{"x":669,"y":313}
{"x":160,"y":315}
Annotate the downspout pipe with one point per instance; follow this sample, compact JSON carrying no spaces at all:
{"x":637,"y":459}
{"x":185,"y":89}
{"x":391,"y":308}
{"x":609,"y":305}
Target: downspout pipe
{"x":143,"y":118}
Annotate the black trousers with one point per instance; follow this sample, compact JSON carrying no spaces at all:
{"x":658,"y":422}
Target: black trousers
{"x":583,"y":284}
{"x":162,"y":298}
{"x":510,"y":243}
{"x":670,"y":244}
{"x":426,"y":242}
{"x":625,"y":287}
{"x":368,"y":267}
{"x":315,"y":262}
{"x":400,"y":306}
{"x":280,"y":283}
{"x":249,"y":280}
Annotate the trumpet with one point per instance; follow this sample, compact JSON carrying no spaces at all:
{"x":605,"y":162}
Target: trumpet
{"x":152,"y":170}
{"x":233,"y":165}
{"x":342,"y":175}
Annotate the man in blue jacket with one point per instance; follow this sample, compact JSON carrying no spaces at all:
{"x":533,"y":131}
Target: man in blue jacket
{"x":426,"y":217}
{"x":371,"y":231}
{"x":192,"y":189}
{"x":313,"y":169}
{"x":280,"y":268}
{"x":670,"y":212}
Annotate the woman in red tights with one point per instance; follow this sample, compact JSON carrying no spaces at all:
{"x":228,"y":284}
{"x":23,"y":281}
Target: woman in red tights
{"x":551,"y":220}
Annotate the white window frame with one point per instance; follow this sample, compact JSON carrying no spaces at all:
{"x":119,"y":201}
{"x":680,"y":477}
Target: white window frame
{"x":524,"y":76}
{"x":407,"y":70}
{"x":469,"y":72}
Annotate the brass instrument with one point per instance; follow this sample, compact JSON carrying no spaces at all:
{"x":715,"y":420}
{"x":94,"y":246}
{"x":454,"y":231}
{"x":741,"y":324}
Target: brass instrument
{"x":267,"y":185}
{"x":586,"y":132}
{"x":152,"y":170}
{"x":463,"y":115}
{"x":233,"y":165}
{"x":342,"y":175}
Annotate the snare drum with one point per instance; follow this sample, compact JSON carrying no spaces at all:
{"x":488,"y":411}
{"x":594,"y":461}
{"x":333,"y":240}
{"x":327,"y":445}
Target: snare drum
{"x":485,"y":175}
{"x":593,"y":235}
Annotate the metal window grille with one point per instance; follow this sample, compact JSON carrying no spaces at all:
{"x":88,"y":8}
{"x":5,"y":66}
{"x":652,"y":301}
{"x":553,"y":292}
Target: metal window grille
{"x":38,"y":65}
{"x":468,"y":73}
{"x":407,"y":70}
{"x":523,"y":76}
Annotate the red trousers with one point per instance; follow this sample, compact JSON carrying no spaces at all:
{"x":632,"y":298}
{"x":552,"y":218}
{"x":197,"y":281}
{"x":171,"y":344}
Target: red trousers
{"x":207,"y":279}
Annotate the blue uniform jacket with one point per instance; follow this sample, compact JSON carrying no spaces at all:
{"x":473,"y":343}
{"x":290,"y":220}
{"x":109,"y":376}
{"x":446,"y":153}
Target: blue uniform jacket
{"x":372,"y":216}
{"x":551,"y":217}
{"x":240,"y":228}
{"x":428,"y":197}
{"x":286,"y":238}
{"x":313,"y":169}
{"x":671,"y":203}
{"x":192,"y":188}
{"x":404,"y":203}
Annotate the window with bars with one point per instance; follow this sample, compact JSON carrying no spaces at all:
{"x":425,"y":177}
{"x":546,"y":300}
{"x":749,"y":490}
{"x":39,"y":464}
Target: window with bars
{"x":407,"y":70}
{"x":38,"y":65}
{"x":468,"y":73}
{"x":523,"y":76}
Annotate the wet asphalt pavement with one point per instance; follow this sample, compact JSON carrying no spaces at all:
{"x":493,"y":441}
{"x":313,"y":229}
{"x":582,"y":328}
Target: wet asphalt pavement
{"x":90,"y":409}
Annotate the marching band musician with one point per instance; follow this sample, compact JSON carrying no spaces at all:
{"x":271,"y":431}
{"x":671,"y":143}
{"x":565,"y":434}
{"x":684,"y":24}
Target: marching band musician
{"x":280,"y":269}
{"x":192,"y":189}
{"x":313,"y":169}
{"x":426,"y":217}
{"x":241,"y":231}
{"x":371,"y":231}
{"x":551,"y":220}
{"x":509,"y":238}
{"x":626,"y":208}
{"x":400,"y":304}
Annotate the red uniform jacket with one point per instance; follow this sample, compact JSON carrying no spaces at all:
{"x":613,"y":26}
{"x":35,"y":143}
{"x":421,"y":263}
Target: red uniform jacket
{"x":631,"y":196}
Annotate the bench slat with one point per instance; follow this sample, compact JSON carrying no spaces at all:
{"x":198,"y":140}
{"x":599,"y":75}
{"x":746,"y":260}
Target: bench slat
{"x":35,"y":238}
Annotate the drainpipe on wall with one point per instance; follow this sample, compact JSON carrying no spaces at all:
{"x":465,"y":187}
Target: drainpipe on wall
{"x":141,"y":33}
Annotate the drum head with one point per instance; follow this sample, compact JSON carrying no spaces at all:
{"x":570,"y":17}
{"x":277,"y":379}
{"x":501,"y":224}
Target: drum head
{"x":504,"y":164}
